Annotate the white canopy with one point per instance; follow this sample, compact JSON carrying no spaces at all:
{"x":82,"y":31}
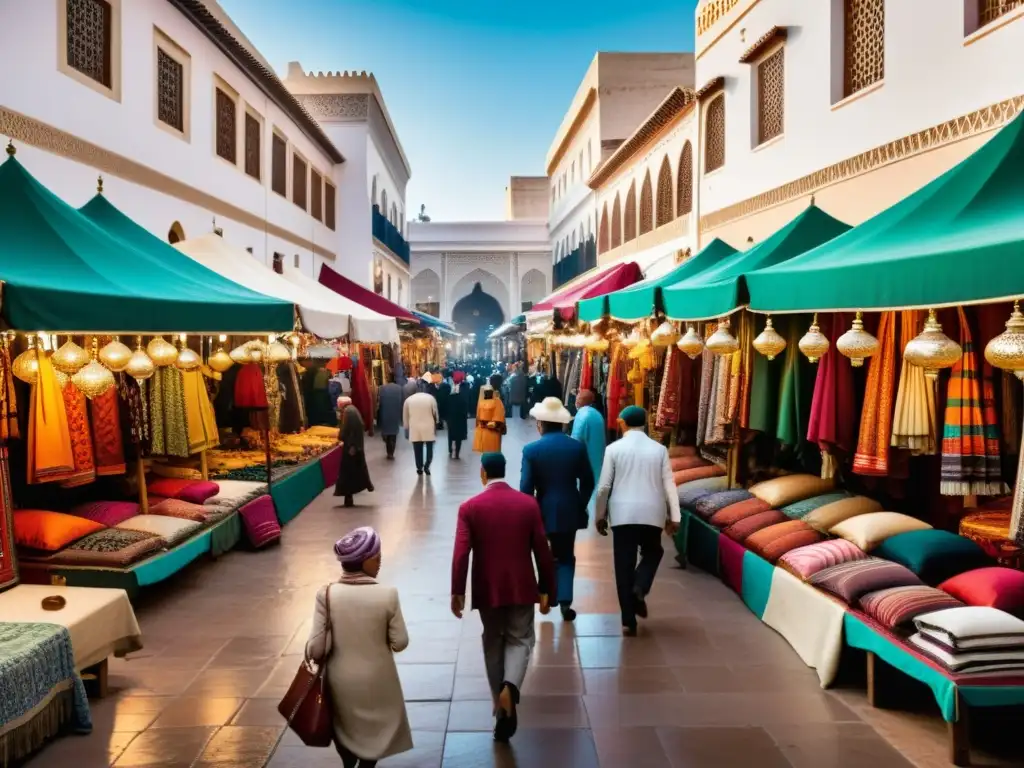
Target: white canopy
{"x":367,"y":325}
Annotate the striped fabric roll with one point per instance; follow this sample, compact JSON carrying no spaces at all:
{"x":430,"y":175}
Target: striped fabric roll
{"x":689,"y":496}
{"x":773,"y":542}
{"x":798,"y":510}
{"x":748,"y":525}
{"x":807,"y":561}
{"x":899,"y":605}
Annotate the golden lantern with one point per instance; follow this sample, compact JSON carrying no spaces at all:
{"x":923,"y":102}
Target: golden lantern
{"x":1006,"y":351}
{"x":70,"y":358}
{"x":857,"y":344}
{"x":161,"y":351}
{"x":115,"y":355}
{"x":278,"y":353}
{"x":62,"y":378}
{"x":188,"y":360}
{"x":258,"y":350}
{"x":691,"y":344}
{"x":722,"y":342}
{"x":140,"y":367}
{"x":26,"y":365}
{"x":769,"y":343}
{"x":635,"y":376}
{"x":596,"y":343}
{"x":633,"y":338}
{"x":220,"y":360}
{"x":932,"y":349}
{"x":241,"y":355}
{"x":94,"y":379}
{"x":665,"y":335}
{"x":813,"y":344}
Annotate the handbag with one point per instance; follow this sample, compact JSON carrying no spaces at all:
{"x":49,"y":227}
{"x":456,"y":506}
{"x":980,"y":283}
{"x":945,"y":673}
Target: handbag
{"x":307,"y":705}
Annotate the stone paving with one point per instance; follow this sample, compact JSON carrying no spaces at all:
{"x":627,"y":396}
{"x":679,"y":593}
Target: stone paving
{"x":705,"y":685}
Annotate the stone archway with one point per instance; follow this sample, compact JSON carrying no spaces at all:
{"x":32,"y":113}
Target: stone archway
{"x":461,"y":284}
{"x":534,"y":288}
{"x":478,"y":314}
{"x":426,"y":292}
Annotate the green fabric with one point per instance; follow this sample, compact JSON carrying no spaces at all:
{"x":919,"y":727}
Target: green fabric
{"x":294,"y":493}
{"x":640,"y":300}
{"x":681,"y":539}
{"x":702,"y":545}
{"x":757,"y":582}
{"x":764,"y":393}
{"x":719,"y":290}
{"x":153,"y":570}
{"x":957,"y":239}
{"x":226,"y":534}
{"x":796,"y":388}
{"x":800,"y":509}
{"x":64,"y":272}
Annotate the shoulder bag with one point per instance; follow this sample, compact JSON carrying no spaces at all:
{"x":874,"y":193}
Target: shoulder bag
{"x":307,"y":705}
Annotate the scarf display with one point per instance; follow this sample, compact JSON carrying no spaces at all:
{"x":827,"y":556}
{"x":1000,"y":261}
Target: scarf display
{"x":671,"y":389}
{"x":970,"y":437}
{"x":9,"y":429}
{"x":707,"y":377}
{"x":831,"y":424}
{"x":50,"y":456}
{"x":202,"y":424}
{"x":617,"y":385}
{"x":913,"y":423}
{"x":108,"y":444}
{"x":77,"y":410}
{"x":135,"y":428}
{"x":718,"y":418}
{"x":872,"y":457}
{"x":587,"y":373}
{"x":168,"y":419}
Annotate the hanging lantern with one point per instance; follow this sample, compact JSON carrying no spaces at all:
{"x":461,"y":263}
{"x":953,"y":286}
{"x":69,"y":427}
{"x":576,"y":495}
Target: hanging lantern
{"x":722,"y":342}
{"x":1006,"y":351}
{"x":635,"y":376}
{"x":633,"y":338}
{"x":665,"y":335}
{"x":188,"y":360}
{"x":115,"y":355}
{"x":140,"y":367}
{"x":813,"y":344}
{"x":95,"y":378}
{"x":161,"y":351}
{"x":26,"y":365}
{"x":857,"y":344}
{"x":70,"y":358}
{"x":932,"y":349}
{"x":258,"y":350}
{"x":769,"y":343}
{"x":597,"y":343}
{"x":278,"y":353}
{"x":241,"y":355}
{"x":62,"y":378}
{"x":691,"y":343}
{"x":220,"y":360}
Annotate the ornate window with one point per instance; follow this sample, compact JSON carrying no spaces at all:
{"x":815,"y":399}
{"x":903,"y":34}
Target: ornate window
{"x":253,"y":129}
{"x":373,"y":193}
{"x":329,"y":205}
{"x":646,"y":205}
{"x":629,"y":215}
{"x":89,"y":36}
{"x":602,"y":232}
{"x":384,"y":202}
{"x":616,"y":223}
{"x":990,"y":10}
{"x":170,"y":89}
{"x":714,"y":135}
{"x":771,"y":96}
{"x":279,"y":165}
{"x":863,"y":44}
{"x":316,"y":204}
{"x":226,"y":127}
{"x":299,"y":181}
{"x":684,"y":184}
{"x":664,"y":193}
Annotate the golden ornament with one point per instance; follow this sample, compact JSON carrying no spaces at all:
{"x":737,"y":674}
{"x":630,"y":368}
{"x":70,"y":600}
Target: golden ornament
{"x":633,"y":338}
{"x":93,"y":380}
{"x":26,"y":365}
{"x":70,"y":358}
{"x":62,"y":378}
{"x":813,"y":344}
{"x":188,"y":360}
{"x":220,"y":361}
{"x":140,"y":367}
{"x":932,"y":349}
{"x":278,"y":353}
{"x":115,"y":355}
{"x":258,"y":350}
{"x":722,"y":342}
{"x":241,"y":355}
{"x":1006,"y":351}
{"x":665,"y":335}
{"x":769,"y":343}
{"x":691,"y":344}
{"x":857,"y":344}
{"x":161,"y":352}
{"x":597,"y":343}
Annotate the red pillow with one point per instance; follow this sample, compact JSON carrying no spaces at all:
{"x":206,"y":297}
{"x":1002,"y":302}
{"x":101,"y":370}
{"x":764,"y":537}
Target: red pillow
{"x":733,"y":513}
{"x":194,"y":491}
{"x":739,"y":531}
{"x":995,"y":587}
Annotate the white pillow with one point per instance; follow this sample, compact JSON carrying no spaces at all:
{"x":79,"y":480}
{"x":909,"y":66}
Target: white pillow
{"x":972,"y":626}
{"x":869,"y":530}
{"x":172,"y":529}
{"x":233,"y":493}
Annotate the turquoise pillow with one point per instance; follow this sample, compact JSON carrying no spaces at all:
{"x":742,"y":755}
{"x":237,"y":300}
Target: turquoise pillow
{"x":800,"y":509}
{"x":932,"y":554}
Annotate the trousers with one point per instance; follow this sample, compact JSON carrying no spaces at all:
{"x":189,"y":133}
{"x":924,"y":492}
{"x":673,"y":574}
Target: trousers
{"x":417,"y":451}
{"x":563,"y":550}
{"x":508,"y":640}
{"x":454,"y":446}
{"x":389,"y":444}
{"x":631,"y":578}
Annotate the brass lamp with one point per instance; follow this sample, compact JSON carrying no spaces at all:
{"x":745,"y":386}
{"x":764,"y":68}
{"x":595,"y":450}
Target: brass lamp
{"x":691,"y":344}
{"x":161,"y":351}
{"x":665,"y":335}
{"x":813,"y":343}
{"x":857,"y":344}
{"x":94,"y":379}
{"x":1006,"y":351}
{"x":70,"y":358}
{"x":26,"y":365}
{"x":115,"y":355}
{"x":596,"y":342}
{"x":932,"y":349}
{"x":140,"y":367}
{"x":722,"y":342}
{"x":769,"y":343}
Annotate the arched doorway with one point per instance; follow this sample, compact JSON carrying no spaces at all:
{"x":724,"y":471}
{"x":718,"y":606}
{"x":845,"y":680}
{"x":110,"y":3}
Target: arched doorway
{"x":175,"y":234}
{"x":478,"y":313}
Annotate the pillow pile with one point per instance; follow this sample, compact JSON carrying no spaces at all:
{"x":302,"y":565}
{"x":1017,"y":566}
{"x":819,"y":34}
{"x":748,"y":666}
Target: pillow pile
{"x":807,"y":561}
{"x":108,"y":513}
{"x":711,"y":503}
{"x":995,"y":587}
{"x":733,"y":513}
{"x":50,"y":531}
{"x":739,"y":531}
{"x":679,"y":463}
{"x":898,"y":605}
{"x":689,"y":495}
{"x":849,"y":581}
{"x":869,"y":530}
{"x":933,"y":555}
{"x":828,"y":516}
{"x":195,"y":491}
{"x":773,"y":542}
{"x":780,"y":491}
{"x":971,"y":639}
{"x":705,"y":472}
{"x":800,"y":509}
{"x":171,"y":529}
{"x":185,"y":510}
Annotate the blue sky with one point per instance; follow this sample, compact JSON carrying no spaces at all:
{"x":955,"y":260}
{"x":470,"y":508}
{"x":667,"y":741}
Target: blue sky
{"x":476,"y":89}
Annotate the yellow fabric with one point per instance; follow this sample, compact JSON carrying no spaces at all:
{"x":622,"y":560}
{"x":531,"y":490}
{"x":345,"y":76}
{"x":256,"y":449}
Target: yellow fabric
{"x":780,"y":491}
{"x":181,"y":473}
{"x":202,"y":424}
{"x":869,"y":530}
{"x":49,"y":441}
{"x":826,"y":517}
{"x":487,"y":440}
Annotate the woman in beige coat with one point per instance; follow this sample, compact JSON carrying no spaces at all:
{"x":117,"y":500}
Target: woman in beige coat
{"x":367,"y":629}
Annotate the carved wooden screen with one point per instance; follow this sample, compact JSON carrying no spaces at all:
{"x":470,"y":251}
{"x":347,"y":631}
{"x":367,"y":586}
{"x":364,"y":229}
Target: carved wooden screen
{"x":88,"y":38}
{"x":299,"y":181}
{"x":279,"y":166}
{"x":170,"y":89}
{"x":602,"y":232}
{"x":616,"y":223}
{"x":664,"y":193}
{"x":252,"y":146}
{"x":714,"y":147}
{"x":684,"y":184}
{"x":646,"y":205}
{"x":226,"y":127}
{"x":329,"y":205}
{"x":316,"y":195}
{"x":629,"y":215}
{"x":863,"y":44}
{"x":771,"y":96}
{"x":990,"y":10}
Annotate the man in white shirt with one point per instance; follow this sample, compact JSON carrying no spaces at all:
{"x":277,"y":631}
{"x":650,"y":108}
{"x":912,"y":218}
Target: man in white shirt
{"x":637,"y":494}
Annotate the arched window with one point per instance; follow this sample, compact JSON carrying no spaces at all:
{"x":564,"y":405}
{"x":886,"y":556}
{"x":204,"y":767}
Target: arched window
{"x":384,"y":202}
{"x":616,"y":223}
{"x":684,"y":184}
{"x":394,"y":215}
{"x":373,"y":193}
{"x":602,"y":232}
{"x":646,"y":205}
{"x":629,"y":215}
{"x":714,"y":135}
{"x":175,"y":234}
{"x":664,"y":193}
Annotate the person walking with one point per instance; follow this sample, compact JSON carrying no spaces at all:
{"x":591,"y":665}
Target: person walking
{"x":389,"y":413}
{"x":357,"y":629}
{"x":490,"y":418}
{"x":557,"y":471}
{"x":588,"y":428}
{"x":637,"y":497}
{"x":419,"y":418}
{"x":517,"y":386}
{"x":410,"y":388}
{"x":503,"y":530}
{"x":444,"y":391}
{"x":353,"y":474}
{"x":457,"y":416}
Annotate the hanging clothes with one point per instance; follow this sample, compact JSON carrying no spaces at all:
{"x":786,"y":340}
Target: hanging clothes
{"x":134,"y":416}
{"x":169,"y":423}
{"x":913,"y":424}
{"x":50,"y":456}
{"x":249,"y":389}
{"x":202,"y":423}
{"x":293,"y":411}
{"x":106,"y":430}
{"x":872,"y":457}
{"x":9,"y":429}
{"x":705,"y":404}
{"x":361,"y":397}
{"x":616,"y":385}
{"x":796,"y":388}
{"x":671,"y":389}
{"x":832,"y":421}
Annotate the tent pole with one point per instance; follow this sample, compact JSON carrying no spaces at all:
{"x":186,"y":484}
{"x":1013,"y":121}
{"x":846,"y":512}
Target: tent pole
{"x":140,"y":475}
{"x":204,"y":466}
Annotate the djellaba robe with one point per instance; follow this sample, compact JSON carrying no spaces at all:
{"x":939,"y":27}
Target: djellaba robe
{"x":588,"y":428}
{"x":353,"y":476}
{"x":489,"y":409}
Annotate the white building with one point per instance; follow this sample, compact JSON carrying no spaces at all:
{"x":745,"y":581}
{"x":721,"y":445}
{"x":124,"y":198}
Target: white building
{"x":187,"y":123}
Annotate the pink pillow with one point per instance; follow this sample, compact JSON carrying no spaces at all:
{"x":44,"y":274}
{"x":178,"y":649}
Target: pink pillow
{"x":184,"y":510}
{"x":109,"y":513}
{"x":260,"y":520}
{"x":807,"y":561}
{"x":194,"y":491}
{"x":995,"y":587}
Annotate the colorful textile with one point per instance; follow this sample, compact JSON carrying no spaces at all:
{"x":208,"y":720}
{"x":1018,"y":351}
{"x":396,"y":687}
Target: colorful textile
{"x":800,"y":509}
{"x":933,"y":555}
{"x":869,"y":530}
{"x":688,"y":497}
{"x":260,"y":520}
{"x":739,"y":531}
{"x":796,"y":387}
{"x":831,"y":423}
{"x":806,"y":561}
{"x":184,"y":510}
{"x":9,"y":429}
{"x":671,"y":389}
{"x":81,"y":438}
{"x":202,"y":424}
{"x":711,"y":504}
{"x":108,"y":446}
{"x":788,"y":489}
{"x":898,"y":605}
{"x":361,"y":398}
{"x":702,"y":472}
{"x":193,"y":491}
{"x":49,"y":531}
{"x":110,"y":548}
{"x":848,"y":581}
{"x":173,"y":530}
{"x":168,"y":413}
{"x":705,"y":404}
{"x":828,"y":516}
{"x":997,"y":587}
{"x":773,"y":542}
{"x":134,"y":414}
{"x":913,"y":426}
{"x":730,"y":556}
{"x":970,"y":437}
{"x":108,"y":513}
{"x":733,"y":513}
{"x":50,"y":457}
{"x":872,"y":456}
{"x":249,"y":389}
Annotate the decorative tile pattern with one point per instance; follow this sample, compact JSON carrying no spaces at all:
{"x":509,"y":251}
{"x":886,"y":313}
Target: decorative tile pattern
{"x":646,"y":206}
{"x":665,"y":193}
{"x":684,"y":184}
{"x":714,"y":131}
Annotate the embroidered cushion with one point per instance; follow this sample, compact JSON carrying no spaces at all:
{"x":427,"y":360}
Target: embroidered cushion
{"x":869,"y":530}
{"x":184,"y":510}
{"x":826,"y":517}
{"x":800,"y":509}
{"x":50,"y":531}
{"x":108,"y":513}
{"x":849,"y":581}
{"x":697,"y":473}
{"x":710,"y":504}
{"x":898,"y":605}
{"x":933,"y":555}
{"x":773,"y":542}
{"x":173,"y":530}
{"x":679,"y":463}
{"x":114,"y":547}
{"x":733,"y":513}
{"x":780,"y":491}
{"x":260,"y":520}
{"x":196,"y":491}
{"x":996,"y":587}
{"x":807,"y":561}
{"x":235,"y":493}
{"x":689,"y":496}
{"x":972,"y":627}
{"x":740,"y":530}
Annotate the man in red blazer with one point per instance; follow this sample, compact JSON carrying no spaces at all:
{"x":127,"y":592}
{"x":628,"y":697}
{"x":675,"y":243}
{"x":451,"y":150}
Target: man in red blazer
{"x":504,"y":530}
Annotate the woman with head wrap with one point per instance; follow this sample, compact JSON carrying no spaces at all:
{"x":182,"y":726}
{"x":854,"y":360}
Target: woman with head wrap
{"x":457,"y":415}
{"x":357,"y":638}
{"x":490,"y":418}
{"x":353,"y":475}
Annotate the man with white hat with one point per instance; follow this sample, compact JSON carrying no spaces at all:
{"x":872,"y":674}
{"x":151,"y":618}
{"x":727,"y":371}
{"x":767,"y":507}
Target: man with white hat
{"x":557,"y":471}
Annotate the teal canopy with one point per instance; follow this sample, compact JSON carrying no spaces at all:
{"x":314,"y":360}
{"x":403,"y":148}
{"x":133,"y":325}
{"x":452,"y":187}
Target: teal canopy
{"x":639,"y":301}
{"x":957,"y":240}
{"x":64,"y":272}
{"x":720,"y":289}
{"x":433,"y":322}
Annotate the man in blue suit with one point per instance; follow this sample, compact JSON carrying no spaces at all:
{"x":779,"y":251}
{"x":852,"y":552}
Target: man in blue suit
{"x":557,"y":471}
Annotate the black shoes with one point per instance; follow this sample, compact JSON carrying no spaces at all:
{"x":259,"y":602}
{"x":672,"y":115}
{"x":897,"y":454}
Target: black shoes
{"x":568,"y":614}
{"x":639,"y":605}
{"x":629,"y":631}
{"x":426,"y":470}
{"x":506,"y":721}
{"x":419,"y":471}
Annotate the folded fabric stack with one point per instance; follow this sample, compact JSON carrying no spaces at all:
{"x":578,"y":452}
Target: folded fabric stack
{"x":971,"y":640}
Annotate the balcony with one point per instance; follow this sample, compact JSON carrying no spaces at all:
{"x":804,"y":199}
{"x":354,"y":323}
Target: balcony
{"x":576,"y":263}
{"x":389,"y":236}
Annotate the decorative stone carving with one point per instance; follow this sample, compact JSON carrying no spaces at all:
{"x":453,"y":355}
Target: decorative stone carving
{"x":709,"y":14}
{"x":336,"y":106}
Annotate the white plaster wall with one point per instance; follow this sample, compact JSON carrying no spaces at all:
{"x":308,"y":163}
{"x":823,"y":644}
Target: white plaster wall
{"x":354,"y":215}
{"x":377,"y":169}
{"x":573,"y":205}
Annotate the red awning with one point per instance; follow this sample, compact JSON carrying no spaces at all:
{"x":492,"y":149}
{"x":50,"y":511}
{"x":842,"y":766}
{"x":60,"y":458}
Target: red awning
{"x":614,"y":279}
{"x":367,"y":298}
